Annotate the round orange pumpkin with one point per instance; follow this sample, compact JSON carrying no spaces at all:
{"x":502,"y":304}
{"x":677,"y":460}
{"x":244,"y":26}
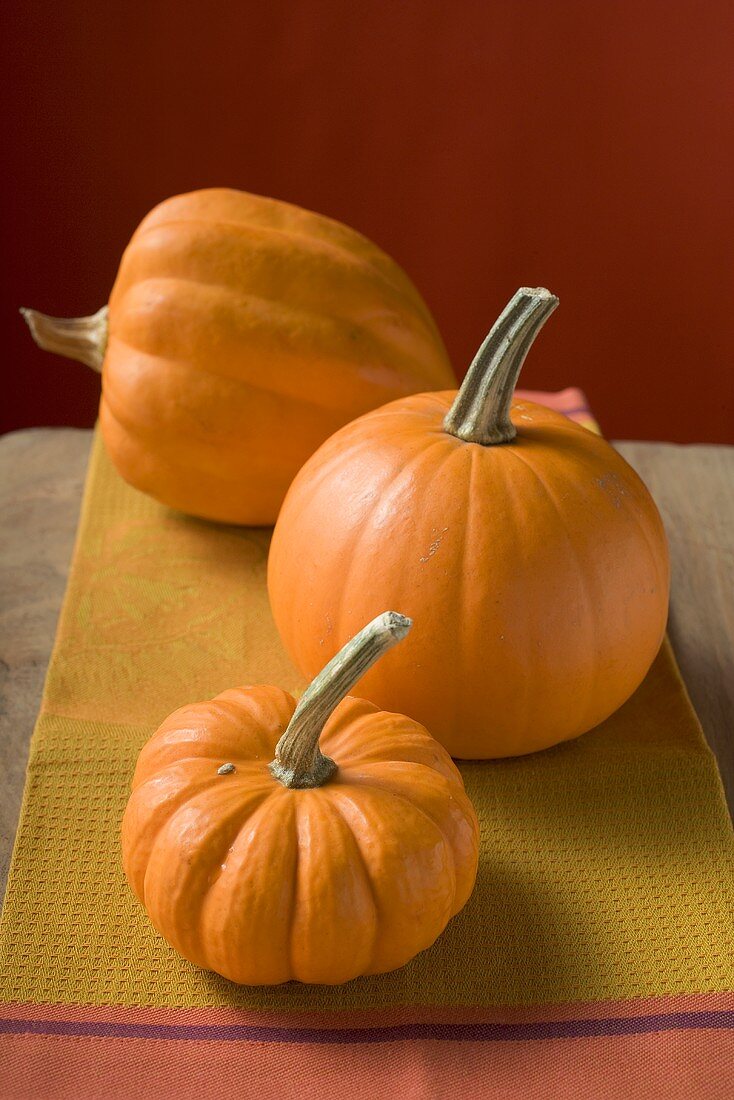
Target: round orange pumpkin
{"x":529,"y":553}
{"x":241,"y":332}
{"x":260,"y":857}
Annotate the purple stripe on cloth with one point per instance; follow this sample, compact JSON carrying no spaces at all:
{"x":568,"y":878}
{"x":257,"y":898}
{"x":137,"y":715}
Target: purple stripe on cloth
{"x":457,"y":1033}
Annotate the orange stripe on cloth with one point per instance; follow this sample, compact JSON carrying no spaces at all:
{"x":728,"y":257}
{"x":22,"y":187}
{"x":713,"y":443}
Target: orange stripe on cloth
{"x":679,"y":1065}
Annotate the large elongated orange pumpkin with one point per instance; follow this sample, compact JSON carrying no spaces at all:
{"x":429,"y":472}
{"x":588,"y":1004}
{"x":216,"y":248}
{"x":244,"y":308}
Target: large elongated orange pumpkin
{"x":529,"y":553}
{"x":260,"y":857}
{"x":241,"y":332}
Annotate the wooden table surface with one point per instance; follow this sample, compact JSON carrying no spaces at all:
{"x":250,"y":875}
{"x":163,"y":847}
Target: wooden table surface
{"x":41,"y":478}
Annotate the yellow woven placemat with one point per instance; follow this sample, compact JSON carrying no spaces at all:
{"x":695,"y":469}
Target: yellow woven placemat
{"x":606,"y":867}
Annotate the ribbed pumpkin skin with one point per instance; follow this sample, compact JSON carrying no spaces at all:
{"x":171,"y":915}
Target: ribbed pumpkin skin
{"x":264,"y":884}
{"x":243,"y":331}
{"x":536,"y":572}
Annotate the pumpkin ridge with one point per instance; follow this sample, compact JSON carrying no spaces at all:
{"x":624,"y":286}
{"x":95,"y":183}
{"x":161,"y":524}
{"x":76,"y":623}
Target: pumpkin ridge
{"x":354,"y":728}
{"x":248,"y":835}
{"x":200,"y":463}
{"x":418,"y":809}
{"x":234,"y":703}
{"x":442,"y":787}
{"x":381,"y":349}
{"x":178,"y":799}
{"x":220,"y":706}
{"x":383,"y":352}
{"x":231,"y":795}
{"x":231,"y":824}
{"x":391,"y":489}
{"x":149,"y":484}
{"x":286,"y":213}
{"x":204,"y":462}
{"x":233,"y":380}
{"x":290,"y":829}
{"x":333,"y":792}
{"x":509,"y":493}
{"x":581,"y":571}
{"x":281,"y":720}
{"x":295,"y":825}
{"x":353,"y":774}
{"x":329,"y":246}
{"x":372,"y":770}
{"x":344,"y":723}
{"x":346,"y":798}
{"x":172,"y":738}
{"x":377,"y":719}
{"x":247,"y":706}
{"x":134,"y":435}
{"x":385,"y":309}
{"x":240,"y":697}
{"x":458,"y":617}
{"x":359,"y":263}
{"x":255,"y":806}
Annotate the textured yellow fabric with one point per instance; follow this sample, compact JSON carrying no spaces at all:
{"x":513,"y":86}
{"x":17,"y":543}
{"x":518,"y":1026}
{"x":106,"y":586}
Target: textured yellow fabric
{"x":606,"y":867}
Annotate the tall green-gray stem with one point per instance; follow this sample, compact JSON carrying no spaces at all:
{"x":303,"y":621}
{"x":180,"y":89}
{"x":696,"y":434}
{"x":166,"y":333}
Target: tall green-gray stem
{"x":80,"y":338}
{"x":481,"y":411}
{"x":299,"y":762}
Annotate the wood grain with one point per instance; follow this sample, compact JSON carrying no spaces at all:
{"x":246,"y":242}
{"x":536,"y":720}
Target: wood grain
{"x":694,"y":489}
{"x":41,"y":479}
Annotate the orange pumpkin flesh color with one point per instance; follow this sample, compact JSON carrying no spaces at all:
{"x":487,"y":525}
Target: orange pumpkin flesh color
{"x":530,"y":555}
{"x":241,"y":332}
{"x":259,"y":856}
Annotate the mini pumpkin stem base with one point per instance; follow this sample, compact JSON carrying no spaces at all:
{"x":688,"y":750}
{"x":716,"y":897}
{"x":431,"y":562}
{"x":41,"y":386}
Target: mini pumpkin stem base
{"x":299,"y":762}
{"x":315,"y":774}
{"x":481,"y":410}
{"x":80,"y":338}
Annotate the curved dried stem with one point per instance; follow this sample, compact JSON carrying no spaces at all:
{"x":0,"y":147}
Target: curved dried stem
{"x":80,"y":338}
{"x":481,"y":410}
{"x":299,"y":761}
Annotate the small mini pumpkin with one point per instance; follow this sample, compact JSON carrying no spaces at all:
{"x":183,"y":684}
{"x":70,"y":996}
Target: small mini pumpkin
{"x":260,"y":857}
{"x":530,"y":555}
{"x":241,"y":332}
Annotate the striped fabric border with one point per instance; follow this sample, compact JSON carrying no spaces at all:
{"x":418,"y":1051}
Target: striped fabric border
{"x":457,"y":1033}
{"x":502,"y":1023}
{"x":678,"y":1047}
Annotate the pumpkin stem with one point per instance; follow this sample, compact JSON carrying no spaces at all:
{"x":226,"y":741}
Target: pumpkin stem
{"x":299,"y":761}
{"x":481,"y":411}
{"x":81,"y":338}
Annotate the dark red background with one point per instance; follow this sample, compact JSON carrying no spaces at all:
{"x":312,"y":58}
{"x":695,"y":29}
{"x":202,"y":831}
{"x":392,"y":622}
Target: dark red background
{"x":583,"y":146}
